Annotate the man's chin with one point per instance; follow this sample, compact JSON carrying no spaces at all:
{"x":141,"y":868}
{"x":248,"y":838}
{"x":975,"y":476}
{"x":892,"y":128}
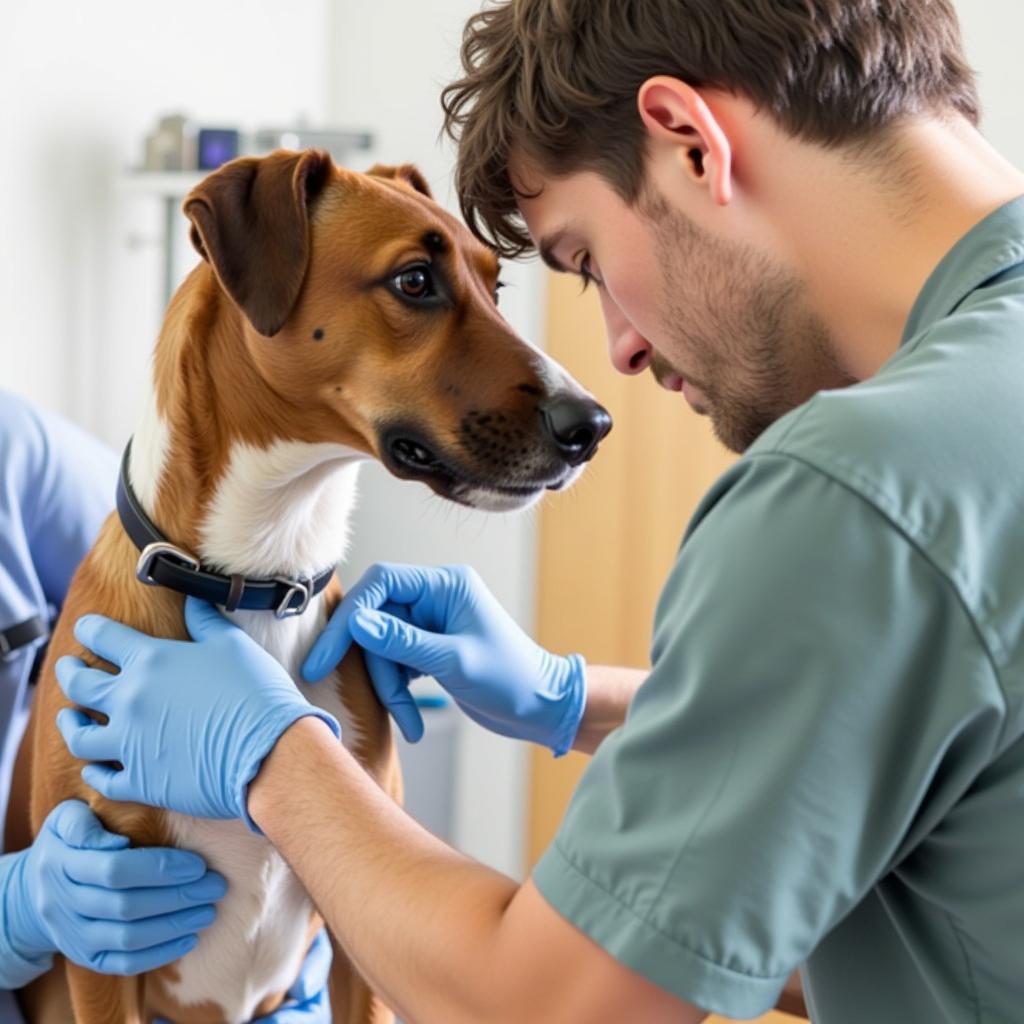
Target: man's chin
{"x":738,"y":433}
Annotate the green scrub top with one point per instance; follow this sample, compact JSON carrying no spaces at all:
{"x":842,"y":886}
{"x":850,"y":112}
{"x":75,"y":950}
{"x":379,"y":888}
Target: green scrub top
{"x":826,"y":765}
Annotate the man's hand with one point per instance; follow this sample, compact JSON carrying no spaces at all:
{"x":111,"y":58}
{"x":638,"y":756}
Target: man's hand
{"x":81,"y":891}
{"x":443,"y":622}
{"x":190,"y":722}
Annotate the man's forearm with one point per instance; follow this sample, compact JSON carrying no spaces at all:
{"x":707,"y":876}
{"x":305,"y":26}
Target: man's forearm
{"x":382,"y":905}
{"x":609,"y":691}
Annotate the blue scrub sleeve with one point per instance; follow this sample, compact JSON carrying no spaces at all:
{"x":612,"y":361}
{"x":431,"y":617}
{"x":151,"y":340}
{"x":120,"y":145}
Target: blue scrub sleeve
{"x":65,"y":481}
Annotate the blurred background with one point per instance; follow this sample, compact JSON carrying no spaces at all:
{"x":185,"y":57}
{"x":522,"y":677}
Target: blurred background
{"x":91,"y":244}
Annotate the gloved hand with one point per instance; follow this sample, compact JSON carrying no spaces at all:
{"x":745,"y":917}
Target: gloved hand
{"x":308,"y":1000}
{"x":190,"y":722}
{"x":81,"y":891}
{"x":444,"y":622}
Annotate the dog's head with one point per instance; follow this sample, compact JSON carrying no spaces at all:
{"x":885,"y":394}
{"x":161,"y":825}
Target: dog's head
{"x":370,"y":306}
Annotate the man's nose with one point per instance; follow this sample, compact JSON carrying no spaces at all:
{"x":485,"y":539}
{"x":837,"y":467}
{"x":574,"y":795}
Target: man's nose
{"x":576,"y":425}
{"x":630,"y":352}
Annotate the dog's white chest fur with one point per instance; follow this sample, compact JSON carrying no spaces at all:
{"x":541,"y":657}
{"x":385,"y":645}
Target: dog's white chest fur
{"x":287,"y":505}
{"x":255,"y":946}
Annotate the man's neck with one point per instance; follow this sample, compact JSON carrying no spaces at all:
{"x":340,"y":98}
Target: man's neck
{"x":866,"y":239}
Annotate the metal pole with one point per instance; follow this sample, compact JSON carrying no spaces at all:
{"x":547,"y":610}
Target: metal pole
{"x":170,"y":223}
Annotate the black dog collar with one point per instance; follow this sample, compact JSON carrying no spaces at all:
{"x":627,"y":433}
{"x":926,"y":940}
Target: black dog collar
{"x":163,"y":564}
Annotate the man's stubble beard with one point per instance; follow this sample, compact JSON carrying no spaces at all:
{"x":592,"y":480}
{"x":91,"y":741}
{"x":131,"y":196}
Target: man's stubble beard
{"x":752,"y":346}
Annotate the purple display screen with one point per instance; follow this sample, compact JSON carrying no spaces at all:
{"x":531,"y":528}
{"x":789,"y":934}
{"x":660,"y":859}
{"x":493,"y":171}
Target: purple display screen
{"x":216,"y":146}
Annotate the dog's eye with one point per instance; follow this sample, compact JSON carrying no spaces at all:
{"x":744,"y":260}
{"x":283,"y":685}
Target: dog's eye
{"x":415,"y":282}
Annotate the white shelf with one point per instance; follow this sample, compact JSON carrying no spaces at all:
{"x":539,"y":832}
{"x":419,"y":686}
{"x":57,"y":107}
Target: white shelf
{"x":168,"y":184}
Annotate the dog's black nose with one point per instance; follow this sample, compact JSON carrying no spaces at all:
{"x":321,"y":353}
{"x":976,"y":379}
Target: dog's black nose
{"x":576,"y":425}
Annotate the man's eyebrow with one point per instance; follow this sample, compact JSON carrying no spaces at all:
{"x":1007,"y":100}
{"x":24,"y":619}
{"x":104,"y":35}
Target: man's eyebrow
{"x":547,"y":251}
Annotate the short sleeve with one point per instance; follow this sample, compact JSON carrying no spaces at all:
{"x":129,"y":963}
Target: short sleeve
{"x":57,"y":488}
{"x":818,"y":699}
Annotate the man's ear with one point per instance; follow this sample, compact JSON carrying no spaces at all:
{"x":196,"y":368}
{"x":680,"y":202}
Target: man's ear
{"x":676,"y":113}
{"x":250,"y":222}
{"x":406,"y":173}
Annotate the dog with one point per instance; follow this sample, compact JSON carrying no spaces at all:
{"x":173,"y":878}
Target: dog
{"x":334,"y":317}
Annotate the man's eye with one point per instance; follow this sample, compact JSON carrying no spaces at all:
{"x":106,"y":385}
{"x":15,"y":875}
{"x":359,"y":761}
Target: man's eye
{"x":586,"y":273}
{"x":416,"y":282}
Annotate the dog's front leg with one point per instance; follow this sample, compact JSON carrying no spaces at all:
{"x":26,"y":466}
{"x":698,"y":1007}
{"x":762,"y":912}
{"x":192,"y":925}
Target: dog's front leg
{"x":104,"y":998}
{"x":352,"y":999}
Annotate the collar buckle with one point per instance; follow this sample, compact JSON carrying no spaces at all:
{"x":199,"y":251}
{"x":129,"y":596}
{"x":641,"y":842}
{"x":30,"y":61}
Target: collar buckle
{"x":295,"y":586}
{"x":151,"y":552}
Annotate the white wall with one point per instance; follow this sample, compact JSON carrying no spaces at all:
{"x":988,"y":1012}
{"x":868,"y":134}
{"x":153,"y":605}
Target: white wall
{"x":82,"y":84}
{"x":991,"y":30}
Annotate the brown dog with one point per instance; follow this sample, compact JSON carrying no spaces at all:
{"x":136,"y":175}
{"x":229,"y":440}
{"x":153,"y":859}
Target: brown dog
{"x":336,"y":316}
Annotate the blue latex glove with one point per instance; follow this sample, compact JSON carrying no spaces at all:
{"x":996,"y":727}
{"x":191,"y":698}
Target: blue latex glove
{"x":444,"y":622}
{"x":308,"y":1000}
{"x":81,"y":891}
{"x":190,"y":722}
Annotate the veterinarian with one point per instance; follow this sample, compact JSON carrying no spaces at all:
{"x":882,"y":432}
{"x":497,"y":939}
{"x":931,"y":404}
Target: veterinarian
{"x":791,"y":219}
{"x":78,"y":890}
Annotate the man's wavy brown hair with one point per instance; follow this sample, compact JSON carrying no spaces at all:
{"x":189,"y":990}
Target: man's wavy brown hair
{"x":557,"y":80}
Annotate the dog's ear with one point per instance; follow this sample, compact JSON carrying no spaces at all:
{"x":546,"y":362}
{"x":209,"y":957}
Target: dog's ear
{"x":406,"y":173}
{"x":250,"y":222}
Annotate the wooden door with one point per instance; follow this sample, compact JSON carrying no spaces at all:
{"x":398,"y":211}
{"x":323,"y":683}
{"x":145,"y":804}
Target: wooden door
{"x":605,"y":548}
